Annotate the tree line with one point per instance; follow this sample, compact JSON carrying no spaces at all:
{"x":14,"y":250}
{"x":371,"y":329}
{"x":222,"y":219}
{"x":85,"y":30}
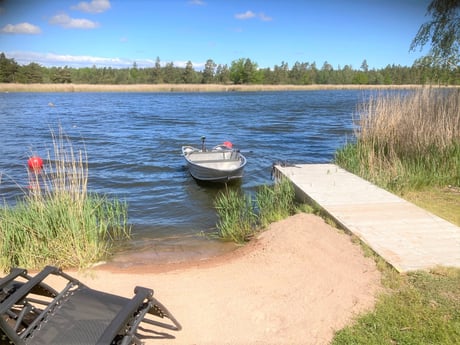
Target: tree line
{"x":241,"y":71}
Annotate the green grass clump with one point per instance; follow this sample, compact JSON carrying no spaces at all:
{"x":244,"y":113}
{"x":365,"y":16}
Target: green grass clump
{"x":424,"y":309}
{"x":236,"y":216}
{"x":56,"y":231}
{"x":58,"y":222}
{"x":275,"y":202}
{"x":241,"y":215}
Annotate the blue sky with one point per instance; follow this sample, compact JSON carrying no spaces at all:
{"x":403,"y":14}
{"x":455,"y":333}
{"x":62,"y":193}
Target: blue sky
{"x":118,"y":33}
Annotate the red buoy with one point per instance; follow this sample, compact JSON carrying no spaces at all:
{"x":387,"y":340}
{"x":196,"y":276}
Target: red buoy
{"x":228,"y":144}
{"x":35,"y":163}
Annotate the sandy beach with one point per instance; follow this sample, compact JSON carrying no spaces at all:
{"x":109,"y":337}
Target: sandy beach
{"x":296,"y":283}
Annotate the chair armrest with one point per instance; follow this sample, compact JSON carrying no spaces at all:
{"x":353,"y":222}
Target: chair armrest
{"x":15,"y":272}
{"x":26,"y":288}
{"x":125,"y":314}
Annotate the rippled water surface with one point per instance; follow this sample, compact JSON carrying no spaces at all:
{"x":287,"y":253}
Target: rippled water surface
{"x":133,"y":143}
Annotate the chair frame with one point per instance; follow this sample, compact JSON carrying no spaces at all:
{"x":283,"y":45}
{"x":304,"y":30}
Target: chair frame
{"x":27,"y":303}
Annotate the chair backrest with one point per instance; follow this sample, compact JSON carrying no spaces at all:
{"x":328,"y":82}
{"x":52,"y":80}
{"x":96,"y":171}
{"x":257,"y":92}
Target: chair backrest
{"x":32,"y":312}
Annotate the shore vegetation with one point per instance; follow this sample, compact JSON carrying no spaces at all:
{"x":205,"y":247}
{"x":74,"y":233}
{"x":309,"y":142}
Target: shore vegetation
{"x":241,"y":216}
{"x":422,"y":308}
{"x":237,"y":219}
{"x":409,"y":143}
{"x":182,"y":87}
{"x":57,"y":221}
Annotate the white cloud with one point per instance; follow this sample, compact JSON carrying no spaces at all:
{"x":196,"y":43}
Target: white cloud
{"x":52,"y":59}
{"x":72,"y":23}
{"x":250,"y":15}
{"x":245,"y":15}
{"x":197,"y":3}
{"x":82,"y":60}
{"x":95,"y":6}
{"x":77,"y":61}
{"x":22,"y":28}
{"x":264,"y":18}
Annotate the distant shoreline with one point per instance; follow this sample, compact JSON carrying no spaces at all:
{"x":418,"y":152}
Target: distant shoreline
{"x":15,"y":87}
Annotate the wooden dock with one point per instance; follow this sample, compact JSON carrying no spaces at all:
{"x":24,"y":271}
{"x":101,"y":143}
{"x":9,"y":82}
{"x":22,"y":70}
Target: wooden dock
{"x":406,"y":236}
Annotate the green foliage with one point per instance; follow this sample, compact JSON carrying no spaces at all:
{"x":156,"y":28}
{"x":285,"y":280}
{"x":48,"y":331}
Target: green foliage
{"x":157,"y":73}
{"x":189,"y":75}
{"x":443,"y":33}
{"x":59,"y":232}
{"x":222,"y":74}
{"x":240,"y":216}
{"x":407,"y":141}
{"x":276,"y":202}
{"x":280,"y":74}
{"x":60,"y":75}
{"x":236,"y":216}
{"x":31,"y":73}
{"x":8,"y":69}
{"x":241,"y":71}
{"x":423,"y":309}
{"x":209,"y":72}
{"x":57,"y":222}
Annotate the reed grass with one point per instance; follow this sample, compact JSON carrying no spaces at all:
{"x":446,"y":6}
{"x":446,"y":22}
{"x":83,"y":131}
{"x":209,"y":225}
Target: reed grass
{"x":241,"y":216}
{"x":16,"y":87}
{"x":409,"y":143}
{"x":275,"y":202}
{"x":407,"y":140}
{"x":57,"y":221}
{"x":237,"y":219}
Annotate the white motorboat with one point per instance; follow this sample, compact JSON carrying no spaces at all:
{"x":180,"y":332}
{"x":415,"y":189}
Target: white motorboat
{"x":220,"y":164}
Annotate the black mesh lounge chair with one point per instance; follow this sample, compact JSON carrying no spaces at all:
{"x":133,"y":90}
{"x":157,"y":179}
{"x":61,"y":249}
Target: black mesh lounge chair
{"x":32,"y":312}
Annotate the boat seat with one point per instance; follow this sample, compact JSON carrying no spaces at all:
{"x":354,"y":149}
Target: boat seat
{"x":215,"y":160}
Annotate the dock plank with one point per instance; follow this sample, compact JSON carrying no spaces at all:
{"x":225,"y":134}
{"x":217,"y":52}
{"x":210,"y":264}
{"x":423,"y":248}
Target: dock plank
{"x":405,"y":235}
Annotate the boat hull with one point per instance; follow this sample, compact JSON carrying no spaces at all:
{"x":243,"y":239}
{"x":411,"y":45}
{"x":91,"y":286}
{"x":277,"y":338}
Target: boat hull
{"x":214,"y":165}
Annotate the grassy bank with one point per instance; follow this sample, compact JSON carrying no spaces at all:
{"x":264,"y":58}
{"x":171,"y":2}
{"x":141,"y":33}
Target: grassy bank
{"x":241,"y":216}
{"x":423,"y":308}
{"x":57,"y":222}
{"x":410,"y":144}
{"x":407,"y":141}
{"x":12,"y":87}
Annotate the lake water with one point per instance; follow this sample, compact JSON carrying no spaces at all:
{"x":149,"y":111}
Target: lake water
{"x":133,"y":143}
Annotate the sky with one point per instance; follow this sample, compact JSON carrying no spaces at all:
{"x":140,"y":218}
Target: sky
{"x":119,"y":33}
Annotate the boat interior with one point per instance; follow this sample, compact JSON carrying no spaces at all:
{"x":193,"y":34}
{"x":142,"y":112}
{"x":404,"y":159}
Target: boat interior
{"x":223,"y":160}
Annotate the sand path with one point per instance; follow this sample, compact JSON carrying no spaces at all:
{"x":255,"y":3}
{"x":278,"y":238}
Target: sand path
{"x":297,"y":283}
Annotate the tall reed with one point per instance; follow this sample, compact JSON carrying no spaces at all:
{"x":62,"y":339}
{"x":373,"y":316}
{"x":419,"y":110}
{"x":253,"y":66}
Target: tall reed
{"x":57,"y":221}
{"x":241,"y":215}
{"x":275,"y":202}
{"x":237,"y":219}
{"x":407,"y":140}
